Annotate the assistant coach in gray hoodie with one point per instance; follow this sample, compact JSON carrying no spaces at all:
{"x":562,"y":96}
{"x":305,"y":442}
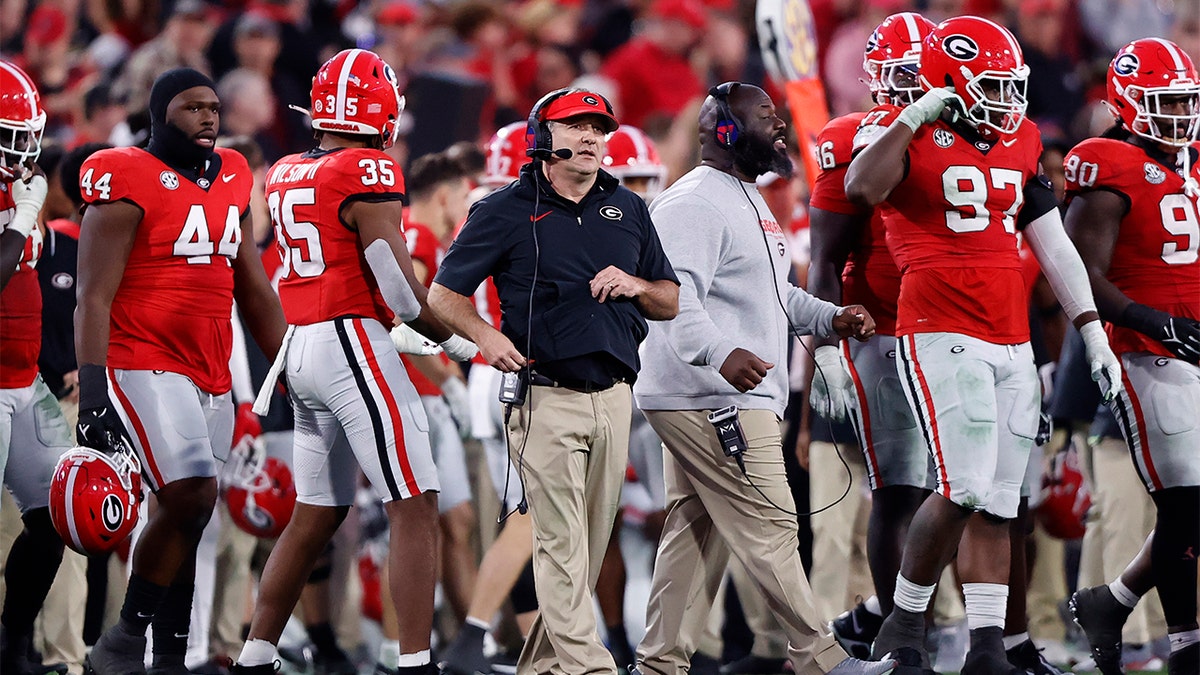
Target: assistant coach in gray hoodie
{"x":728,"y":346}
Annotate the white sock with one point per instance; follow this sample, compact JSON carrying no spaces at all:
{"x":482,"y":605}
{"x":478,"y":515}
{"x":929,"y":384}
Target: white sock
{"x":1011,"y":641}
{"x":479,"y":623}
{"x":1123,"y":595}
{"x":1183,"y":639}
{"x":912,"y":597}
{"x":257,"y":653}
{"x":415,"y":659}
{"x":389,"y":652}
{"x":872,"y":606}
{"x":986,"y":604}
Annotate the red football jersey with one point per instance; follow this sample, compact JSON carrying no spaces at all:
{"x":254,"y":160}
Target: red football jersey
{"x":425,"y":248}
{"x":325,"y":274}
{"x":20,"y":307}
{"x":1154,"y":260}
{"x":870,"y":277}
{"x":174,"y":306}
{"x":952,"y":229}
{"x":487,"y":305}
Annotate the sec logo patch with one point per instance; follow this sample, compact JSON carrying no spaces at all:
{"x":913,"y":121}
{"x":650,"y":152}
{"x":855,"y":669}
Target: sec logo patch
{"x":169,"y":180}
{"x":1154,"y":173}
{"x":943,"y":138}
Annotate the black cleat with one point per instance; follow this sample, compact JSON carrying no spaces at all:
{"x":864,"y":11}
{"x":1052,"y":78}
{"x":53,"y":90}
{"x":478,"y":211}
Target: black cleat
{"x":985,"y":662}
{"x":855,"y":630}
{"x":335,"y":663}
{"x":117,"y":653}
{"x":17,"y":656}
{"x":1029,"y":659}
{"x":264,"y":669}
{"x":1101,"y":617}
{"x":1185,"y":661}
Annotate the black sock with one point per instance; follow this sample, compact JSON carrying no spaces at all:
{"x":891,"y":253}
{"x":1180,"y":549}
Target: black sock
{"x":988,"y":639}
{"x":322,"y":636}
{"x":471,"y":635}
{"x":618,"y":642}
{"x":171,"y":625}
{"x":32,"y":563}
{"x":142,"y":600}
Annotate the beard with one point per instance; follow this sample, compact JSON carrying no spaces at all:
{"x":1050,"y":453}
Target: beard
{"x":755,"y":155}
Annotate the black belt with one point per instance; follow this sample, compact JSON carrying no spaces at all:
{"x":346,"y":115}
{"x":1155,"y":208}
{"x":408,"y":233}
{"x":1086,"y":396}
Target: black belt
{"x":581,"y":386}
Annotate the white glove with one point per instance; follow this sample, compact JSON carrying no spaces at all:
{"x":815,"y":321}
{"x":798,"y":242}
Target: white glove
{"x":409,"y":341}
{"x":833,"y":394}
{"x":927,"y":108}
{"x":1105,"y":366}
{"x":459,"y":348}
{"x":29,"y":199}
{"x":455,"y":393}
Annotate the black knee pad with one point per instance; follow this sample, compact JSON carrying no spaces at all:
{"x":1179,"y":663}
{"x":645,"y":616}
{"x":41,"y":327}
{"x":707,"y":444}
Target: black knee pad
{"x":523,"y":594}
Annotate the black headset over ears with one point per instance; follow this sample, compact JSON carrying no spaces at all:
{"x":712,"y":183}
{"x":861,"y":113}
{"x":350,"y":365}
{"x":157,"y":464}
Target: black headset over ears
{"x":728,"y":127}
{"x":539,"y":143}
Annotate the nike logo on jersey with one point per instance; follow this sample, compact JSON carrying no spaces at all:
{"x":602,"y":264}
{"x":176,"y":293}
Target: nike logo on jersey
{"x":1008,"y":143}
{"x":228,"y":177}
{"x":534,"y":219}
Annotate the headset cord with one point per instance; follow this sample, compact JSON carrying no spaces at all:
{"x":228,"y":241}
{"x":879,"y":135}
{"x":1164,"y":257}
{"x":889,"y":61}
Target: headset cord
{"x":523,"y":505}
{"x":792,"y":330}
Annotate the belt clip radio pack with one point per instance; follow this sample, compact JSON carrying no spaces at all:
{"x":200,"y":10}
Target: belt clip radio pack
{"x":729,"y":430}
{"x":513,"y":387}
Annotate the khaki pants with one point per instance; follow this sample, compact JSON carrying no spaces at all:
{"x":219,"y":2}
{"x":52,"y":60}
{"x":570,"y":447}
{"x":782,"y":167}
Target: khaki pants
{"x":1118,"y":523}
{"x":712,"y":510}
{"x":572,"y":449}
{"x":235,"y":548}
{"x":839,"y":570}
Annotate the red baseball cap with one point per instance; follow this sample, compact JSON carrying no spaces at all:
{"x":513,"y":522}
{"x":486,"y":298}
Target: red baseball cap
{"x":397,"y":14}
{"x":581,"y":103}
{"x":687,"y":11}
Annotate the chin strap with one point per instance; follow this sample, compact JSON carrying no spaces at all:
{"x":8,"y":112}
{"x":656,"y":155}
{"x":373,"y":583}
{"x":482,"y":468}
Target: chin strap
{"x":1191,"y":187}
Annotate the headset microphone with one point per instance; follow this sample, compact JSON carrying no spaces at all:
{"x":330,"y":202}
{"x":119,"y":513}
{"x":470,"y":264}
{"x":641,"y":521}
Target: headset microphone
{"x":544,"y":154}
{"x":563,"y":153}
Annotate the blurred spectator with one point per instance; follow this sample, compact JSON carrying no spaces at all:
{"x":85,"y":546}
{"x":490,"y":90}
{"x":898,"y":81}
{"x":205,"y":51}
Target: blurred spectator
{"x":1055,"y":89}
{"x":248,"y":108}
{"x":182,"y":43}
{"x":1185,"y":30}
{"x":1113,"y":23}
{"x":103,"y":118}
{"x":400,"y":35}
{"x":258,"y":46}
{"x":653,"y":74}
{"x":844,"y":85}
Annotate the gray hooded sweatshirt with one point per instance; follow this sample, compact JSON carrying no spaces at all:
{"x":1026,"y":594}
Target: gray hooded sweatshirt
{"x":732,"y":262}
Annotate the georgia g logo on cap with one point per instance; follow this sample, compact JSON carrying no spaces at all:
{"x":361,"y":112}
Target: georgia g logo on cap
{"x":591,"y":100}
{"x":961,"y":47}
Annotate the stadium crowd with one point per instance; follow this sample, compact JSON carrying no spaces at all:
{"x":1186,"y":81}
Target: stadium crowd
{"x":474,"y":74}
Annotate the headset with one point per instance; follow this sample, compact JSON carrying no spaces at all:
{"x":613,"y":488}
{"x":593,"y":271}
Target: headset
{"x":728,"y":127}
{"x":539,"y":143}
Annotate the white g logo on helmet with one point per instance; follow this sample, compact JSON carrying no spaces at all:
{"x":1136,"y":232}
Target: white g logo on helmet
{"x":960,"y":47}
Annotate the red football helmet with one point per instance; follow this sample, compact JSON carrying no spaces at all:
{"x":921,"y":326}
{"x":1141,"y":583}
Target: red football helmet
{"x":982,"y":61}
{"x":892,"y":56}
{"x":94,"y":498}
{"x":1140,"y":76}
{"x":1065,"y":498}
{"x":631,"y":156}
{"x":258,"y":490}
{"x":22,"y":119}
{"x":356,"y":92}
{"x":505,"y":156}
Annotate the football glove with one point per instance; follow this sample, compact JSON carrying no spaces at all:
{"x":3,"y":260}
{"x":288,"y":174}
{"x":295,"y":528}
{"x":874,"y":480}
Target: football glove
{"x":459,"y":348}
{"x":29,"y":198}
{"x":1180,"y":335}
{"x":1105,"y":367}
{"x":409,"y":341}
{"x":99,"y":426}
{"x":927,"y":108}
{"x":833,"y":393}
{"x":455,"y":394}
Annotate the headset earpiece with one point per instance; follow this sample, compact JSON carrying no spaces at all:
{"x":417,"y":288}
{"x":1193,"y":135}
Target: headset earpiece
{"x":728,"y":127}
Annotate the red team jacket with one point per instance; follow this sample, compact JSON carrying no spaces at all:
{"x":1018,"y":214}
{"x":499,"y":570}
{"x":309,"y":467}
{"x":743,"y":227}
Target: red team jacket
{"x":870,"y":277}
{"x":173,"y":309}
{"x":952,"y":230}
{"x":1155,"y":260}
{"x":20,"y":308}
{"x":325,"y":275}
